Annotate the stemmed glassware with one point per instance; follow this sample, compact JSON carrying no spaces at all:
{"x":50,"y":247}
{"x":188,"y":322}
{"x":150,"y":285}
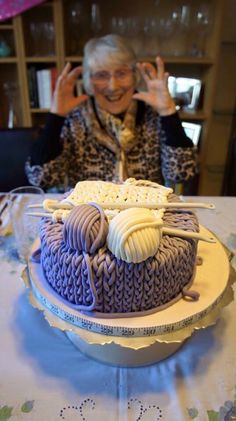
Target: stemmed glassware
{"x":43,"y":37}
{"x":49,"y":33}
{"x":150,"y":32}
{"x":35,"y":33}
{"x":129,"y":27}
{"x":173,"y":29}
{"x":12,"y":93}
{"x":202,"y":25}
{"x":96,"y":21}
{"x":76,"y":18}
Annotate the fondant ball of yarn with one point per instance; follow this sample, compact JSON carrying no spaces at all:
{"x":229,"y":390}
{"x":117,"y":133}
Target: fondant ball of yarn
{"x":86,"y":228}
{"x":134,"y":235}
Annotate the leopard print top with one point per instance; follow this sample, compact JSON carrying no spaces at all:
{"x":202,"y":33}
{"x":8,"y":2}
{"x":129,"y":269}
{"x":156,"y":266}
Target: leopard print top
{"x":84,"y":158}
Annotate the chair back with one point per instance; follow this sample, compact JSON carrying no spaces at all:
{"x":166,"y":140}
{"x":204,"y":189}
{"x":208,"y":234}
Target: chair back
{"x":15,"y":147}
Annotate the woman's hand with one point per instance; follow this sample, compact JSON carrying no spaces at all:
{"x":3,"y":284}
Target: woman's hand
{"x":157,"y":95}
{"x":64,"y":100}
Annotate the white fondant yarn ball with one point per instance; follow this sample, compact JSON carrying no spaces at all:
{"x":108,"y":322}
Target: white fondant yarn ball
{"x":134,"y":235}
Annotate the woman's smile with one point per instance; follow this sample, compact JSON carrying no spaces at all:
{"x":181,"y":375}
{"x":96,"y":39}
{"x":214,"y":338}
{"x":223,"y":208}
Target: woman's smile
{"x":115,"y":102}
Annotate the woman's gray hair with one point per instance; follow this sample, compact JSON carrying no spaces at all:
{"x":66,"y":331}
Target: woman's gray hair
{"x":106,"y":51}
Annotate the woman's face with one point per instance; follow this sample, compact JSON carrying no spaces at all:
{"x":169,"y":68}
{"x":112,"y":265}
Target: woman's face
{"x":113,"y":88}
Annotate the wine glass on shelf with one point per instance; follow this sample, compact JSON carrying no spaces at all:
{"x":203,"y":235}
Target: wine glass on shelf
{"x":118,"y":25}
{"x":43,"y":37}
{"x":96,"y":21}
{"x":150,"y":33}
{"x":202,"y":26}
{"x":165,"y":30}
{"x":76,"y":18}
{"x":35,"y":34}
{"x":181,"y":23}
{"x":49,"y":34}
{"x":173,"y":27}
{"x":130,"y":28}
{"x":11,"y":91}
{"x":134,"y":34}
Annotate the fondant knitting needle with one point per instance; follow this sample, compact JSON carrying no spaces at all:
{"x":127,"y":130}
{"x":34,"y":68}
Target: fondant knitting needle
{"x":187,"y":234}
{"x":181,"y":205}
{"x":127,"y":205}
{"x":165,"y":230}
{"x":57,"y":205}
{"x":40,"y":214}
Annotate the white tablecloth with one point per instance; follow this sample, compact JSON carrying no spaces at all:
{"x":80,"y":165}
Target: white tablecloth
{"x":43,"y":377}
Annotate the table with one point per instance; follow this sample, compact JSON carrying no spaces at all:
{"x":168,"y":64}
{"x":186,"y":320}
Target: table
{"x":43,"y":377}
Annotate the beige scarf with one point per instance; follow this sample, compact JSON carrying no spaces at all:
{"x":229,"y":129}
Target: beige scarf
{"x":113,"y":133}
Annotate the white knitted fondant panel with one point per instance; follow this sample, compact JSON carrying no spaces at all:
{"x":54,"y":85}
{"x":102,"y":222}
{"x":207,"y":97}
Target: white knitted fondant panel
{"x":132,"y":192}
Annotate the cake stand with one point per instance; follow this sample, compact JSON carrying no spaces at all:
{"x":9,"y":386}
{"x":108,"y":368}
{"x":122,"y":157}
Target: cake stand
{"x":143,"y":340}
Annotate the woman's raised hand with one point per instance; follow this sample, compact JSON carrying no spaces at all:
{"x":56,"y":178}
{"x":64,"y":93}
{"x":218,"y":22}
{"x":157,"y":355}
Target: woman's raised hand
{"x":157,"y":95}
{"x":64,"y":100}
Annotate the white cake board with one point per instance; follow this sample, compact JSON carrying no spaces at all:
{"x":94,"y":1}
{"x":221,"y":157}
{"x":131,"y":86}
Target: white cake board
{"x":144,"y":340}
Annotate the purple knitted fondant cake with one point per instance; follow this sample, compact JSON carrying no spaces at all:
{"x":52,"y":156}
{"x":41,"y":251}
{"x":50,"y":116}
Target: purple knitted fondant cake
{"x":127,"y":260}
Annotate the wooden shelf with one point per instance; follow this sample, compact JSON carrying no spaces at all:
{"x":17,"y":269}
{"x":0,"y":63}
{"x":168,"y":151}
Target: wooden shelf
{"x":7,"y":60}
{"x":4,"y":27}
{"x":73,"y":59}
{"x":204,"y":61}
{"x":39,"y":110}
{"x":193,"y":115}
{"x":36,"y":59}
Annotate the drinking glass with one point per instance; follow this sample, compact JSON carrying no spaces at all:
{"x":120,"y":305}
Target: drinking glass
{"x":49,"y":34}
{"x":25,"y":227}
{"x":150,"y":32}
{"x":96,"y":22}
{"x":36,"y":38}
{"x":11,"y":90}
{"x":165,"y":30}
{"x":173,"y":28}
{"x":202,"y":23}
{"x":180,"y":17}
{"x":77,"y":24}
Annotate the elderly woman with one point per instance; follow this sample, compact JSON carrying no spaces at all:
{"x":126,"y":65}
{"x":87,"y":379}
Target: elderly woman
{"x":114,"y":131}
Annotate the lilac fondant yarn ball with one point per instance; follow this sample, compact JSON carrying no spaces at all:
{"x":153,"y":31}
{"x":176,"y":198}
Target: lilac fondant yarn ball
{"x":86,"y":228}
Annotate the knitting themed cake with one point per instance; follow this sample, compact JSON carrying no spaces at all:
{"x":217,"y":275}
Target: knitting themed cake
{"x":119,"y":250}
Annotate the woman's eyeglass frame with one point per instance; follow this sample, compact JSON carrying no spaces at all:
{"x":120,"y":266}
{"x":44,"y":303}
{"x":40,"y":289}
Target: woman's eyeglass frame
{"x":103,"y":77}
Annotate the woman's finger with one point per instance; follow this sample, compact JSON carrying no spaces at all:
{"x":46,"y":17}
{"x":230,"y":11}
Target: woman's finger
{"x":150,"y":71}
{"x":160,"y":68}
{"x":80,"y":99}
{"x":166,"y":77}
{"x":141,"y":69}
{"x":75,"y":73}
{"x":147,"y":70}
{"x":66,"y":69}
{"x":141,"y":96}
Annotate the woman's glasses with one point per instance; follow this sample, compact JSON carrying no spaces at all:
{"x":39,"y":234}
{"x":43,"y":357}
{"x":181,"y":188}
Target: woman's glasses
{"x":103,"y":77}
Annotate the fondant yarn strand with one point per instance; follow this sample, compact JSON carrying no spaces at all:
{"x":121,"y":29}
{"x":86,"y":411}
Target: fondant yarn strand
{"x":90,"y":307}
{"x":102,"y":231}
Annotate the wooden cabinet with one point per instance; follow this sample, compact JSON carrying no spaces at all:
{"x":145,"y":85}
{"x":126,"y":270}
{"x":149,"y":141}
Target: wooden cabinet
{"x":53,"y":33}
